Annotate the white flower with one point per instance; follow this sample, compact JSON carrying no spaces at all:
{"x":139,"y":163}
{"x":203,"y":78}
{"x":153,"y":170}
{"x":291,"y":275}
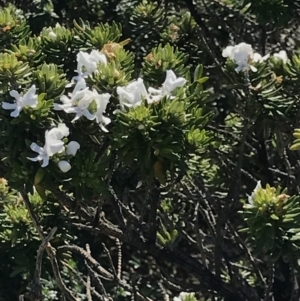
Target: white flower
{"x":78,"y":101}
{"x":241,"y":54}
{"x":42,"y":154}
{"x":133,"y":94}
{"x":89,"y":62}
{"x":98,"y":57}
{"x":257,"y":58}
{"x":82,"y":108}
{"x":72,"y":148}
{"x":74,"y":97}
{"x":59,"y":132}
{"x":281,"y":55}
{"x":64,"y":166}
{"x":28,"y":99}
{"x":227,"y":52}
{"x":170,"y":84}
{"x":102,"y":101}
{"x":251,"y":197}
{"x":53,"y":139}
{"x":53,"y":144}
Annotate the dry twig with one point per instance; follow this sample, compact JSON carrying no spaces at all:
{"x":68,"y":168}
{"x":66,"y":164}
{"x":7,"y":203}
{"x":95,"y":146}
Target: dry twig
{"x":66,"y":292}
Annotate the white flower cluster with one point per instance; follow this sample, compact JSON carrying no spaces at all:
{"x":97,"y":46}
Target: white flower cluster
{"x":80,"y":101}
{"x":244,"y":55}
{"x":55,"y":145}
{"x":133,"y":94}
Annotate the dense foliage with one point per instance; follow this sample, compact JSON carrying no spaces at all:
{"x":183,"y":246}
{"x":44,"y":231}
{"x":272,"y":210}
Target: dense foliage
{"x":149,"y":150}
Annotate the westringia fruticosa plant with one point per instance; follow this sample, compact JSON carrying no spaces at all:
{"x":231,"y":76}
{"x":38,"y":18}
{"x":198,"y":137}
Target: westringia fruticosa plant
{"x":74,"y":129}
{"x":106,"y":139}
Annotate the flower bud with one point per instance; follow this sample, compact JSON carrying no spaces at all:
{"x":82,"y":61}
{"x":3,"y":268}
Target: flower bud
{"x":64,"y":166}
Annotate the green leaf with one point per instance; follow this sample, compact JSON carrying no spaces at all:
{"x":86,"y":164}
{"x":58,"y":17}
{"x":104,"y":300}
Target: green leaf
{"x":198,"y":73}
{"x":274,"y":217}
{"x":202,"y":80}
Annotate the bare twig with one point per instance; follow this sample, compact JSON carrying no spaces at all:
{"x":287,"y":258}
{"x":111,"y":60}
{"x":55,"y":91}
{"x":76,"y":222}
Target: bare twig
{"x":35,"y":289}
{"x":133,"y":284}
{"x":66,"y":292}
{"x":209,"y":282}
{"x":243,"y":246}
{"x":165,"y":293}
{"x":206,"y":214}
{"x":110,"y":261}
{"x":103,"y":272}
{"x":78,"y":276}
{"x":119,"y":246}
{"x":97,"y":280}
{"x":117,"y":208}
{"x":88,"y":280}
{"x":198,"y":235}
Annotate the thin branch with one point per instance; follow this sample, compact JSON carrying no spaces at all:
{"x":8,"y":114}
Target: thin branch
{"x":198,"y":235}
{"x":133,"y":282}
{"x":110,"y":261}
{"x":94,"y":263}
{"x":119,"y":246}
{"x":35,"y":288}
{"x":165,"y":293}
{"x":204,"y":32}
{"x":89,"y":259}
{"x":209,"y":281}
{"x":78,"y":276}
{"x":117,"y":208}
{"x":97,"y":280}
{"x":240,"y":242}
{"x":66,"y":292}
{"x":88,"y":280}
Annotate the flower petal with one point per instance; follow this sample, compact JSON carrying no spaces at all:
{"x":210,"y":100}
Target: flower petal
{"x":15,"y":94}
{"x":9,"y":106}
{"x":98,"y":57}
{"x":64,"y":130}
{"x":16,"y":112}
{"x":72,"y":148}
{"x":29,"y":98}
{"x":170,"y":75}
{"x":88,"y":115}
{"x":38,"y":158}
{"x":36,"y":148}
{"x":64,"y":166}
{"x":45,"y":161}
